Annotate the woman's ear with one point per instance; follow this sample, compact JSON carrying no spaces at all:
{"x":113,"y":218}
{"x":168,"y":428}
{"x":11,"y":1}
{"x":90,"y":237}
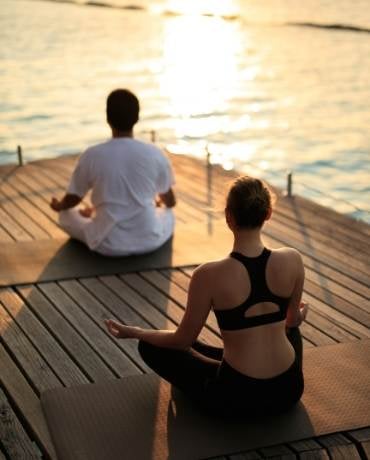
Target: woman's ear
{"x":269,"y":213}
{"x":229,"y":219}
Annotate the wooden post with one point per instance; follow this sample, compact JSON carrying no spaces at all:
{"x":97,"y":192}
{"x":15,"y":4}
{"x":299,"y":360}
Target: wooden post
{"x":209,"y":177}
{"x":20,"y":155}
{"x":289,"y":184}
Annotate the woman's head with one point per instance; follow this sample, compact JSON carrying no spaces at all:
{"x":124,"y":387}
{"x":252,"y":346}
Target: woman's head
{"x":249,"y":202}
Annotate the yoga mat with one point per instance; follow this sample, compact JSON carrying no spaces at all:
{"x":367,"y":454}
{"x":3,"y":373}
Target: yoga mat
{"x":137,"y":418}
{"x":58,"y":259}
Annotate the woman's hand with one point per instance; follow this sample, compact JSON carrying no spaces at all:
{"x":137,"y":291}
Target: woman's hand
{"x":120,"y":331}
{"x":299,"y":316}
{"x":303,"y":309}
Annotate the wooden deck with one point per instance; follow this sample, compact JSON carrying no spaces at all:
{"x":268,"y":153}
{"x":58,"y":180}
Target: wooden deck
{"x":52,"y":332}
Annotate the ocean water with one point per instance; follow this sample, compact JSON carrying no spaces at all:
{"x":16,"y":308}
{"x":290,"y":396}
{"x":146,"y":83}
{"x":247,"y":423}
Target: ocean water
{"x":267,"y":87}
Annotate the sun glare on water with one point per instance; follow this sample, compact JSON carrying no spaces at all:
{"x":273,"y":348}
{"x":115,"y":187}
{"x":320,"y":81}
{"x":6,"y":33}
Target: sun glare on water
{"x":208,"y":7}
{"x":200,"y":66}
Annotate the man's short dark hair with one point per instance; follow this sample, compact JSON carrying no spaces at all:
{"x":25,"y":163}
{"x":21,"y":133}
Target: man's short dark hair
{"x":122,"y":109}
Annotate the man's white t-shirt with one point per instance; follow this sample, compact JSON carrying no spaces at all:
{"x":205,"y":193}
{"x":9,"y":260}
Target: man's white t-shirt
{"x":125,"y":176}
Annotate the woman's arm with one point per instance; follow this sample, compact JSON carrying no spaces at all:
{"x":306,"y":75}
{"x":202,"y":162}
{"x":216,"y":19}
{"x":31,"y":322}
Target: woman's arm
{"x":197,"y":309}
{"x":297,"y":310}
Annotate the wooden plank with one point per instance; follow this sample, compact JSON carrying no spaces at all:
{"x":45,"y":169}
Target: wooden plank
{"x":344,"y":452}
{"x":5,"y":237}
{"x":336,"y":317}
{"x":361,"y":439}
{"x":314,"y":335}
{"x":27,"y":223}
{"x":164,"y":304}
{"x":96,"y":311}
{"x":329,"y":328}
{"x":50,"y":180}
{"x":309,"y":449}
{"x":12,"y":434}
{"x":317,"y":270}
{"x":33,"y":212}
{"x":178,"y":277}
{"x":96,"y":336}
{"x":140,"y":305}
{"x":26,"y":402}
{"x":345,"y":244}
{"x":49,"y":348}
{"x":89,"y":361}
{"x":31,"y":189}
{"x":320,"y":252}
{"x":317,"y":454}
{"x":13,"y":228}
{"x":333,"y":440}
{"x":280,"y":451}
{"x":24,"y":353}
{"x":365,"y":450}
{"x":37,"y":184}
{"x":340,"y":297}
{"x":360,"y":435}
{"x":253,"y":455}
{"x":334,"y":275}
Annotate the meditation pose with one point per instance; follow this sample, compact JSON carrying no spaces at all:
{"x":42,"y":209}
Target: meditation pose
{"x":255,"y":293}
{"x":131,"y":184}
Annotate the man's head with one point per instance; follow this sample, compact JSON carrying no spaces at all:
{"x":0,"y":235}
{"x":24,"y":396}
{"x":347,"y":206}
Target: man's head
{"x":122,"y":110}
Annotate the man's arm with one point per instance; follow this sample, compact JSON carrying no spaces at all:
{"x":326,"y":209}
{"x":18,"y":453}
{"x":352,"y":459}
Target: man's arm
{"x":168,"y":198}
{"x":68,"y":201}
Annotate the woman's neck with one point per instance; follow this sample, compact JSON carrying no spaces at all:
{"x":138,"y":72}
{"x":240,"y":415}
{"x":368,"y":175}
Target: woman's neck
{"x":248,"y":242}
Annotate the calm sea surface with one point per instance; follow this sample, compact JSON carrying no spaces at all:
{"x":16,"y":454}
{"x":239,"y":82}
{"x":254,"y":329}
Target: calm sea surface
{"x":270,"y":86}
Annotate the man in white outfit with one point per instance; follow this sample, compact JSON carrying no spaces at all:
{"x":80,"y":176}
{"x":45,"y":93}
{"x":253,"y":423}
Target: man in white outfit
{"x":131,"y":184}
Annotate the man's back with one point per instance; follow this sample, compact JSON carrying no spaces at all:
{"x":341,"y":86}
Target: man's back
{"x":124,"y":172}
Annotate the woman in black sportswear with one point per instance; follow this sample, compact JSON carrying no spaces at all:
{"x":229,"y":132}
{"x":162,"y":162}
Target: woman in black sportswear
{"x":255,"y":293}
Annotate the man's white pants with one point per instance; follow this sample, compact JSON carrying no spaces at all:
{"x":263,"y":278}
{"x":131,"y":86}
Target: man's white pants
{"x":75,"y":225}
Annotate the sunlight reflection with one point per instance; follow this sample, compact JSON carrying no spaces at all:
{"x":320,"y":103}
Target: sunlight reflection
{"x":200,"y":71}
{"x":196,"y":7}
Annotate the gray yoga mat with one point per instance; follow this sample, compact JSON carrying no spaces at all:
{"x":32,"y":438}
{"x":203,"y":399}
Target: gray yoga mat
{"x":137,"y":418}
{"x":58,"y":259}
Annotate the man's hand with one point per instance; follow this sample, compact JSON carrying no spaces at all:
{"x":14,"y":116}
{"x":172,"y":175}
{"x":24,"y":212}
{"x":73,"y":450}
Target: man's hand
{"x":86,"y":212}
{"x":168,"y":199}
{"x":68,"y":201}
{"x":56,"y":204}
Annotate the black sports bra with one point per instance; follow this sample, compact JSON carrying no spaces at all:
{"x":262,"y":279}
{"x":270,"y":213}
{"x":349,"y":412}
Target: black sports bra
{"x":234,"y":319}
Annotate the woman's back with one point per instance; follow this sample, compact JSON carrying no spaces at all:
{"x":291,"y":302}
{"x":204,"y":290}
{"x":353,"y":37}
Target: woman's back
{"x":251,"y":294}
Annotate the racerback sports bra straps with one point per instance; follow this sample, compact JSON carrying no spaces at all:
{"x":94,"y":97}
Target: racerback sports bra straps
{"x":234,"y":319}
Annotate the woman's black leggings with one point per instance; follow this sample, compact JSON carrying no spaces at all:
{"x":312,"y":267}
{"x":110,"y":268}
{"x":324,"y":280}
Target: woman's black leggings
{"x":202,"y":374}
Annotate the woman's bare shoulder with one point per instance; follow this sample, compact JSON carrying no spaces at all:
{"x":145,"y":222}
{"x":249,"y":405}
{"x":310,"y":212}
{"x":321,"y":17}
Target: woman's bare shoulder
{"x":287,"y":254}
{"x":213,"y":267}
